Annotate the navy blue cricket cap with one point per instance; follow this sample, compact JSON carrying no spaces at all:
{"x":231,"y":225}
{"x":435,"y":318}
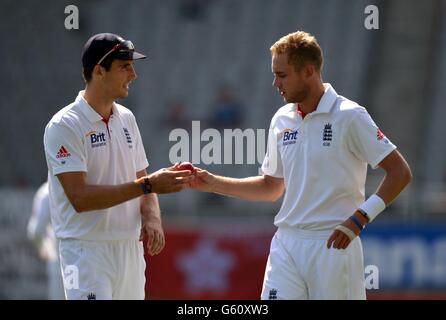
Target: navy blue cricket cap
{"x":104,"y":45}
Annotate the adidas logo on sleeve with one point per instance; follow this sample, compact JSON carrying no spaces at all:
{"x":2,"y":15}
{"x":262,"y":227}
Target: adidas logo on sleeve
{"x":62,"y":153}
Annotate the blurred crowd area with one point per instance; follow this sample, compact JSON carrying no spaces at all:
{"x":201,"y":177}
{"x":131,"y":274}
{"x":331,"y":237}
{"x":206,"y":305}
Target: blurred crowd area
{"x":209,"y":61}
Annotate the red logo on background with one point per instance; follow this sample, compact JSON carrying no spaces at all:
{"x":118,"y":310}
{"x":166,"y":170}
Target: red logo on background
{"x":63,"y":153}
{"x":379,"y":135}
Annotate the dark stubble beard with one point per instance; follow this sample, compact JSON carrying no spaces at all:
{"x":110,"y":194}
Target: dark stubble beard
{"x":300,"y":96}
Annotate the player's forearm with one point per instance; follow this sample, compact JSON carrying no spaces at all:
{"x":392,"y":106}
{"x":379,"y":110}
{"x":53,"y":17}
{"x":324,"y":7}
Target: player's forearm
{"x":251,"y":188}
{"x":95,"y":197}
{"x":150,"y":209}
{"x":393,"y":183}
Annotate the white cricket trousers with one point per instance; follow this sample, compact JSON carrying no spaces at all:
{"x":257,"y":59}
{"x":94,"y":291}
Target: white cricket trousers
{"x":301,"y":267}
{"x":103,"y":270}
{"x":55,"y":281}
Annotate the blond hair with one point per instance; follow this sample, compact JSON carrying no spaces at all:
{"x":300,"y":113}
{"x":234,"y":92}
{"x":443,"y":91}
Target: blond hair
{"x":301,"y":48}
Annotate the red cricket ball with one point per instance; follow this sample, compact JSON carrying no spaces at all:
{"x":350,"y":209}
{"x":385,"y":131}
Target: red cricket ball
{"x":186,"y":166}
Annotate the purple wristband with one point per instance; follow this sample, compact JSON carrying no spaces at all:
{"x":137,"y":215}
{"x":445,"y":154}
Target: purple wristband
{"x":356,"y":221}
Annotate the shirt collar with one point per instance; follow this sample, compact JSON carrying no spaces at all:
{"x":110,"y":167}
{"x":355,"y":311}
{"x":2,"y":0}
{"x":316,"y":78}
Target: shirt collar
{"x":328,"y":99}
{"x":88,"y":111}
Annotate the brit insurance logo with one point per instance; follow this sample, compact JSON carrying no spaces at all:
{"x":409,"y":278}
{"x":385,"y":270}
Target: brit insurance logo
{"x":288,"y":136}
{"x":96,"y":139}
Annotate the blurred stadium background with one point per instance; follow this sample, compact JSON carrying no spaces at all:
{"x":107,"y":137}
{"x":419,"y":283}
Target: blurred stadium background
{"x":217,"y":247}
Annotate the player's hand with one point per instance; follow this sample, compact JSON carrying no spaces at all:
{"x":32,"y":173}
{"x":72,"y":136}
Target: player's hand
{"x":338,"y":239}
{"x":169,"y":180}
{"x":203,"y":180}
{"x":152,"y":230}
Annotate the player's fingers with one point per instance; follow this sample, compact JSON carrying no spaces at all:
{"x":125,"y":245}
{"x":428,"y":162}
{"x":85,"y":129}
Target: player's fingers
{"x":147,"y":246}
{"x":337,"y":240}
{"x":160,"y":246}
{"x":163,"y":244}
{"x":182,"y":173}
{"x":150,"y":240}
{"x":343,"y":243}
{"x":185,"y":181}
{"x":156,"y":243}
{"x":346,"y":243}
{"x":331,"y":239}
{"x":179,"y":180}
{"x":160,"y":243}
{"x":201,"y":173}
{"x":174,"y":167}
{"x":153,"y":249}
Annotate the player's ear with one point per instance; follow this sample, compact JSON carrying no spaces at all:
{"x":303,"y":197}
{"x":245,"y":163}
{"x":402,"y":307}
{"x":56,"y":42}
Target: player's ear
{"x":98,"y":71}
{"x":309,"y":70}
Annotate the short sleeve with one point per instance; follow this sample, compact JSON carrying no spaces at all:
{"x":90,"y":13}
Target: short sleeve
{"x":272,"y":163}
{"x":366,"y":140}
{"x":64,"y":149}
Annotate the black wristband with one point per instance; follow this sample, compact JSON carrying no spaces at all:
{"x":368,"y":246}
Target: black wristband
{"x":363,"y":213}
{"x":146,"y":186}
{"x":356,"y":221}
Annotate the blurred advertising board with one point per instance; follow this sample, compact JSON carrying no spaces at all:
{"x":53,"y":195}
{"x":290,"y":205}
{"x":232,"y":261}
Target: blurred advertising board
{"x":226,"y":260}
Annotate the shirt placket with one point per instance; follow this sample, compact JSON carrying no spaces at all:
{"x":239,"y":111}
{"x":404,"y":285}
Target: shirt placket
{"x":109,"y":126}
{"x":111,"y":131}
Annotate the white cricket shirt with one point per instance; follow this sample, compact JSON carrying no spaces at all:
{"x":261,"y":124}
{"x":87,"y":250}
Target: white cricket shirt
{"x":323,"y":160}
{"x":77,"y":139}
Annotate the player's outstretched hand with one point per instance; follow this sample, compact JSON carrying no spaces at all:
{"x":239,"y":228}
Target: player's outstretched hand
{"x":170,"y":180}
{"x":339,"y":239}
{"x":203,"y":180}
{"x":152,"y":230}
